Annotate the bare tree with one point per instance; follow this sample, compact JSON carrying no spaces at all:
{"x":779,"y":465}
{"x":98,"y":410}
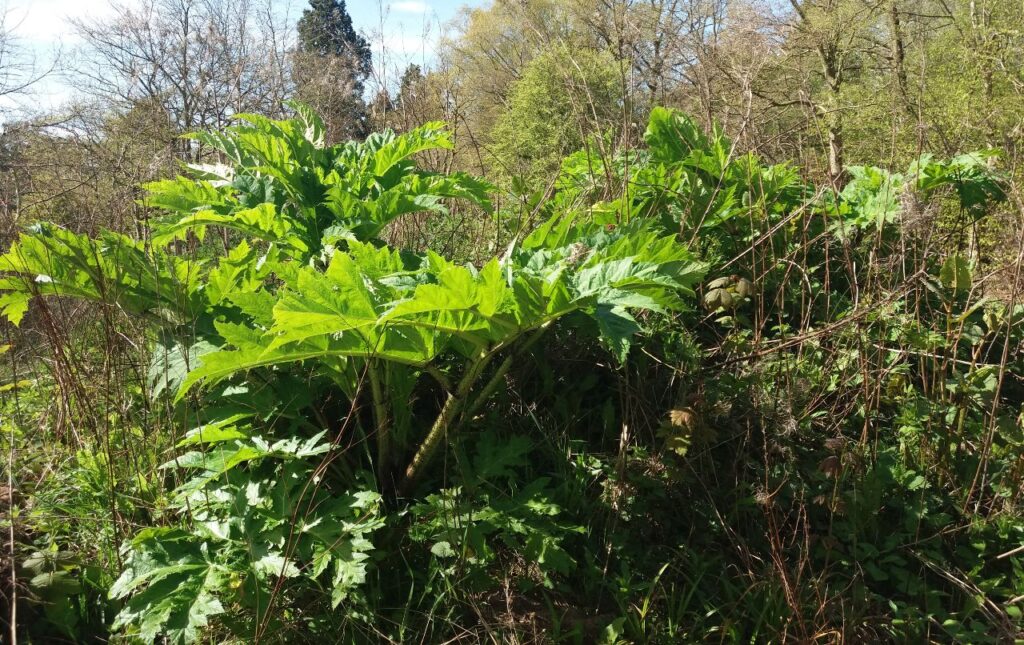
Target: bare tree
{"x":199,"y":60}
{"x":19,"y":69}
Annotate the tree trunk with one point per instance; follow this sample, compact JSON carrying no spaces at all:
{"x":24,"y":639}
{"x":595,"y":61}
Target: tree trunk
{"x":833,"y":117}
{"x":898,"y":53}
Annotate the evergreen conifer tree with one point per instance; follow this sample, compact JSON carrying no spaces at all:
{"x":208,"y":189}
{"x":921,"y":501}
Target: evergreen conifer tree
{"x":332,"y":63}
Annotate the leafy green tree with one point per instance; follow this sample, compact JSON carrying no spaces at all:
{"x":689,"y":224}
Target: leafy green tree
{"x":561,"y":99}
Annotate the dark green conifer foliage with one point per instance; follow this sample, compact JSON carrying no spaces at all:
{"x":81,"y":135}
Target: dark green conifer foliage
{"x":332,"y":63}
{"x":326,"y":29}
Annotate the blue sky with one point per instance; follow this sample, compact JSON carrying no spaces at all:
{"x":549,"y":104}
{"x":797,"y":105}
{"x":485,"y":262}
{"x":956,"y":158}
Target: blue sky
{"x":367,"y":12}
{"x":407,"y":30}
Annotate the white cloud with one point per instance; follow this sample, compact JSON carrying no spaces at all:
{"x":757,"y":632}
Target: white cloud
{"x":410,"y":6}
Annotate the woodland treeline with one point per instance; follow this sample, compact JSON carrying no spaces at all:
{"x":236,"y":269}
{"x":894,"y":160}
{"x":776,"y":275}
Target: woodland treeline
{"x":623,"y":321}
{"x":822,"y":84}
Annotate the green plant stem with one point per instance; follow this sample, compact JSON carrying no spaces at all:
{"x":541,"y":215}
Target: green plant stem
{"x":439,"y":376}
{"x":453,"y":406}
{"x":499,"y":373}
{"x":456,"y":403}
{"x":380,"y":419}
{"x":491,"y":386}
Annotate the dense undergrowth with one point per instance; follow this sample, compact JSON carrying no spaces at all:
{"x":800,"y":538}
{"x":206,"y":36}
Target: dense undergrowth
{"x":685,"y":396}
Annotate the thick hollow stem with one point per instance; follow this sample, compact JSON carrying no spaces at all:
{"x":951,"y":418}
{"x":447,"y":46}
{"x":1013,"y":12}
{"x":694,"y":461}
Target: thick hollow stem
{"x":491,"y":386}
{"x":439,"y":376}
{"x":457,"y":403}
{"x":499,"y":373}
{"x":380,"y":419}
{"x":451,"y":410}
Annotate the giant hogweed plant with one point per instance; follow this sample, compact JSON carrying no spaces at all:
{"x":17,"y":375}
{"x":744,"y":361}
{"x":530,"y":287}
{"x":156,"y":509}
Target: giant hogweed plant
{"x":697,"y":182}
{"x":300,"y":348}
{"x":744,"y":214}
